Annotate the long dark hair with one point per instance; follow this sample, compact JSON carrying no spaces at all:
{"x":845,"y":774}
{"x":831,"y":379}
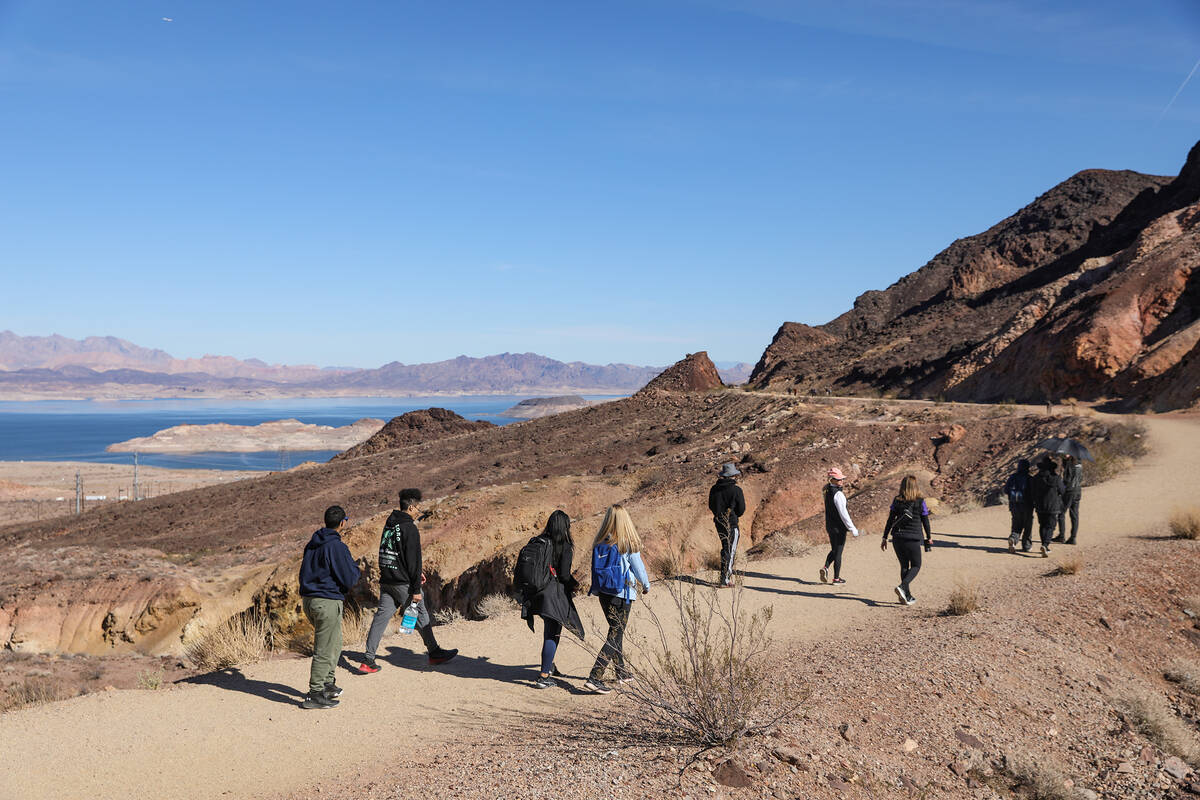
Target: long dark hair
{"x":558,"y":531}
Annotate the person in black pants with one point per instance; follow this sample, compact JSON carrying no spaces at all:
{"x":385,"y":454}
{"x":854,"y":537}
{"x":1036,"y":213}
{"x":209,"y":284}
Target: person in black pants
{"x":727,"y":504}
{"x":1073,"y":480}
{"x":1020,"y":507}
{"x":908,"y":524}
{"x":837,"y":525}
{"x":553,"y":603}
{"x":1048,"y":490}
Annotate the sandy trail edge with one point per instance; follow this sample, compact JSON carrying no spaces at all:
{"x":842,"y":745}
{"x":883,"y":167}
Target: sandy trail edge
{"x":202,"y":741}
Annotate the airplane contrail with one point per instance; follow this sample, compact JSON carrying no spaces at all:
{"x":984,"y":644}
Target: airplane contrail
{"x":1178,"y":92}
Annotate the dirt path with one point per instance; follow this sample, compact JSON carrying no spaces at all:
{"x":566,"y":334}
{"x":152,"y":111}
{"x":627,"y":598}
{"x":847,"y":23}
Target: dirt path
{"x":246,"y":737}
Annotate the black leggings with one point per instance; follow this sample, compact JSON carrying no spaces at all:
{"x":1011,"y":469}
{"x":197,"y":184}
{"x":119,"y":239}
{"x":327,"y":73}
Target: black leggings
{"x":616,"y":611}
{"x":908,"y":551}
{"x":837,"y":541}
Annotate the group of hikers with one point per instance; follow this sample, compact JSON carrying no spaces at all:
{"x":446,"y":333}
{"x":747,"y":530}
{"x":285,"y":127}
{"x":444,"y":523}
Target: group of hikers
{"x":545,"y":585}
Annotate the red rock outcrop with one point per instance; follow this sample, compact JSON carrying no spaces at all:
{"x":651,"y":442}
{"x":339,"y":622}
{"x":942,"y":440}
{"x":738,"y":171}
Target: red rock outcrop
{"x":694,"y":373}
{"x":1087,"y":292}
{"x":422,"y":425}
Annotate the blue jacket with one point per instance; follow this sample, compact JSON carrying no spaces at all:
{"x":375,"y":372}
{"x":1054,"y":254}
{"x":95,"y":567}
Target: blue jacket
{"x":636,"y":571}
{"x":328,"y":570}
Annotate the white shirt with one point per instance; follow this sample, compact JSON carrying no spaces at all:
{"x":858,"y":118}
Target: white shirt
{"x":839,"y":502}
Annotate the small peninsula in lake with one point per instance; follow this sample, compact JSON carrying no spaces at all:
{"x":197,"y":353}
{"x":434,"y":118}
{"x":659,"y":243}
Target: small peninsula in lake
{"x":536,"y":407}
{"x":220,"y":437}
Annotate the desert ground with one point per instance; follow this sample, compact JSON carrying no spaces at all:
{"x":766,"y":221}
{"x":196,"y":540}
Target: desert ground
{"x":1030,"y":669}
{"x":36,"y":490}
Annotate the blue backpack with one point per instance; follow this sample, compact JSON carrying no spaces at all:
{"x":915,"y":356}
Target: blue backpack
{"x":609,"y":573}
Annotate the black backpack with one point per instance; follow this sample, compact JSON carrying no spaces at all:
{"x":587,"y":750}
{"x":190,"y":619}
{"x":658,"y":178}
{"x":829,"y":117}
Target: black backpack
{"x":533,"y":571}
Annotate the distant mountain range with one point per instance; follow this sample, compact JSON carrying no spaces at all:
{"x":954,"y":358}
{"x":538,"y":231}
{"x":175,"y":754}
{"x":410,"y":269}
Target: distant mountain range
{"x":36,"y":367}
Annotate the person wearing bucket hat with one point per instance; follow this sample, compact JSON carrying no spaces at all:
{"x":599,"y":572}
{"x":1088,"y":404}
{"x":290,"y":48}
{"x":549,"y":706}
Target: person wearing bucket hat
{"x":727,"y":503}
{"x":837,"y":525}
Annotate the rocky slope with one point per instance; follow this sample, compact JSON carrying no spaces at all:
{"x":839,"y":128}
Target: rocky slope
{"x":695,"y":373}
{"x":414,"y":427}
{"x":1088,"y":292}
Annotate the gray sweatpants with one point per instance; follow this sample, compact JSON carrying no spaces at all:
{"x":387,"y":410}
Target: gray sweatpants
{"x":392,"y":597}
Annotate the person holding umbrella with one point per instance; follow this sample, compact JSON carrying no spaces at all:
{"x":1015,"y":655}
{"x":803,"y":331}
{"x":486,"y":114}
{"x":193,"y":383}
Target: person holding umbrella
{"x":1073,"y":478}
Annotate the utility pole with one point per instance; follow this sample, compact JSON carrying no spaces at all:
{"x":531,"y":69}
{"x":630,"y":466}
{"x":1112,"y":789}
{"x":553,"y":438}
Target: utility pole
{"x":135,"y":477}
{"x":78,"y":493}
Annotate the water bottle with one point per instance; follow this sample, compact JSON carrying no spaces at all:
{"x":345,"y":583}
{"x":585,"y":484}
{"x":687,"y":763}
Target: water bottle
{"x":409,"y":623}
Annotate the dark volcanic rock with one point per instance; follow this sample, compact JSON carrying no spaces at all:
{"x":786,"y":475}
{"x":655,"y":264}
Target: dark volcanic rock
{"x":1090,"y":291}
{"x":423,"y":425}
{"x":695,"y":373}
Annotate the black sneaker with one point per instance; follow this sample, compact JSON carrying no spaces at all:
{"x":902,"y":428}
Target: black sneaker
{"x":441,"y":656}
{"x":332,"y":690}
{"x":545,"y":682}
{"x":1026,"y":547}
{"x":1058,"y":539}
{"x":596,"y":685}
{"x":318,"y":700}
{"x":1012,"y":545}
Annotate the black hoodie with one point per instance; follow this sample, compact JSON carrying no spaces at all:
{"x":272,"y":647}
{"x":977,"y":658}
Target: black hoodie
{"x":400,"y":552}
{"x":725,"y":497}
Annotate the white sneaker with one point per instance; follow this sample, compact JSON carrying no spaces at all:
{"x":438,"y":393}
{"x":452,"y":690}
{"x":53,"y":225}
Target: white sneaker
{"x":910,"y":601}
{"x":1045,"y":551}
{"x":903,"y":598}
{"x":824,"y":574}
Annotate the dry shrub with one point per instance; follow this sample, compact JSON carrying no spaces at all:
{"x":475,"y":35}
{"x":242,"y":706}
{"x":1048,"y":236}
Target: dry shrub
{"x":1040,"y":778}
{"x":708,"y":684}
{"x":496,"y":605}
{"x":711,"y":560}
{"x":1149,"y":713}
{"x":1121,"y":444}
{"x":789,"y":546}
{"x":1185,"y":523}
{"x":35,"y":692}
{"x":151,"y":679}
{"x":238,"y":640}
{"x":447,"y":616}
{"x":1186,"y":674}
{"x":964,"y":598}
{"x":356,"y":623}
{"x":1070,"y":565}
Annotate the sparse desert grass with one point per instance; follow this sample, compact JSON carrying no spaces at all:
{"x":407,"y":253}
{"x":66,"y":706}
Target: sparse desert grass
{"x":151,"y":679}
{"x":789,"y":546}
{"x":1149,"y":713}
{"x":496,"y":605}
{"x":702,"y":674}
{"x":1123,"y":443}
{"x":964,"y":598}
{"x":447,"y":616}
{"x":1040,"y":778}
{"x":34,"y":692}
{"x":1185,"y":523}
{"x":239,"y":640}
{"x":356,"y":622}
{"x":1186,"y":674}
{"x":711,"y":560}
{"x":1070,"y":565}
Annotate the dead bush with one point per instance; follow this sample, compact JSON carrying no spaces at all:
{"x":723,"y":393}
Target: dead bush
{"x":1186,"y":674}
{"x":239,"y":640}
{"x":35,"y":692}
{"x":702,"y":674}
{"x":964,"y":598}
{"x":356,"y":623}
{"x":1185,"y":523}
{"x":1069,"y":565}
{"x":496,"y":605}
{"x":1114,"y":451}
{"x":447,"y":616}
{"x":711,"y":560}
{"x":1149,"y":714}
{"x":1041,"y":779}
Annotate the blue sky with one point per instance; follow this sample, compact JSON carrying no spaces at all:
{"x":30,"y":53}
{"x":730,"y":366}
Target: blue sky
{"x":355,"y":183}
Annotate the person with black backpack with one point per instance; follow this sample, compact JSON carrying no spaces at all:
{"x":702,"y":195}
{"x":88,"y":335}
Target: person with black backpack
{"x":617,"y":568}
{"x":908,"y":524}
{"x":1020,"y":507}
{"x":400,"y":581}
{"x":1048,"y":491}
{"x":544,"y":584}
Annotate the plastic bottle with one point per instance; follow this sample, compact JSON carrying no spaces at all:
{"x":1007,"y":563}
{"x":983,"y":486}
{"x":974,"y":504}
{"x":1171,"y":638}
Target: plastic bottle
{"x":409,"y":623}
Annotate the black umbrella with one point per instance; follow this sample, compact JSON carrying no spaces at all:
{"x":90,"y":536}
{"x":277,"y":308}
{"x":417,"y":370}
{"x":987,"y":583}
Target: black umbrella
{"x":1067,"y":446}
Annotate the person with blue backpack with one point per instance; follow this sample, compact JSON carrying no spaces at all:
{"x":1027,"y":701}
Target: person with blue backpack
{"x":1020,"y":507}
{"x":617,"y":568}
{"x":544,"y":584}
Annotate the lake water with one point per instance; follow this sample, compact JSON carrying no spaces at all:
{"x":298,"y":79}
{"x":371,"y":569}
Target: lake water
{"x":80,"y":430}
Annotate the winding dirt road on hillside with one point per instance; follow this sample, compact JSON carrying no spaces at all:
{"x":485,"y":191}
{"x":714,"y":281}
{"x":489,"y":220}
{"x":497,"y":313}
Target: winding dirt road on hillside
{"x":243,"y":735}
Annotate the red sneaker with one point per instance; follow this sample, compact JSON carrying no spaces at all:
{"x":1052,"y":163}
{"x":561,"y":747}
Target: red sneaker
{"x":368,"y":667}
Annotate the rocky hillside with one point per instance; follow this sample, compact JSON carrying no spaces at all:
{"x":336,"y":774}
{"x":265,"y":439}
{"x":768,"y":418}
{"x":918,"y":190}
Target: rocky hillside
{"x":695,"y":373}
{"x":414,"y":427}
{"x":1088,"y":292}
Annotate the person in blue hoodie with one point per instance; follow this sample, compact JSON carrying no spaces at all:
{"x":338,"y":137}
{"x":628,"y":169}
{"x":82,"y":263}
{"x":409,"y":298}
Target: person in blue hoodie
{"x":327,"y":573}
{"x":616,"y":533}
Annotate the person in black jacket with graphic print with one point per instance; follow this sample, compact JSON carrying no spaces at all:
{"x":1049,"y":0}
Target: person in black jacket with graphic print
{"x":727,"y":504}
{"x":1048,"y":490}
{"x":908,"y":524}
{"x":400,"y":580}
